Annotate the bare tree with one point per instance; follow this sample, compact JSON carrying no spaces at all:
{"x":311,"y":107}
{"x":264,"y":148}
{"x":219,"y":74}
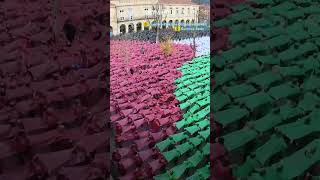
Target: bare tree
{"x":204,"y":13}
{"x":158,"y":18}
{"x":194,"y":34}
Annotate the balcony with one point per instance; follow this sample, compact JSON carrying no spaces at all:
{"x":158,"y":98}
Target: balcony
{"x":136,"y":18}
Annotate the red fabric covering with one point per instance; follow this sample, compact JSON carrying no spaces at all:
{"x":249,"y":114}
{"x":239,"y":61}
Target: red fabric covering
{"x":51,"y":93}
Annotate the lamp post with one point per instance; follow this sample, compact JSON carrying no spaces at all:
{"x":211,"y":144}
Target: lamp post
{"x":194,"y":32}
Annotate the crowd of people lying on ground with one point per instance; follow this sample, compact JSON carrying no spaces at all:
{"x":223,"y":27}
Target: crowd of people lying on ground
{"x":163,"y":33}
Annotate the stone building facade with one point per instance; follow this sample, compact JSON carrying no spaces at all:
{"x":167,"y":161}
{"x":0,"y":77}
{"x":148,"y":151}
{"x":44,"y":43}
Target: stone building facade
{"x":137,"y":15}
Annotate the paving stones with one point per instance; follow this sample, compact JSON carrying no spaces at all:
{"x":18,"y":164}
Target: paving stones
{"x":202,"y":44}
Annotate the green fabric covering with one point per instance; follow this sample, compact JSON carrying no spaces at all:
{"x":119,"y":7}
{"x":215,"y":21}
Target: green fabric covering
{"x":222,"y":22}
{"x":272,"y":32}
{"x":256,"y":176}
{"x":219,"y":61}
{"x":238,"y":28}
{"x":298,"y":162}
{"x":182,"y":98}
{"x":293,"y":14}
{"x":309,"y":102}
{"x":179,"y":170}
{"x":164,"y":144}
{"x":315,"y":178}
{"x":205,"y":172}
{"x":182,"y":123}
{"x":239,"y":138}
{"x":309,"y":64}
{"x":195,"y":176}
{"x":283,"y":91}
{"x":183,"y":148}
{"x":311,"y":83}
{"x":185,"y":105}
{"x":196,"y":140}
{"x":164,"y":176}
{"x":171,"y":155}
{"x":245,"y":67}
{"x":233,"y":55}
{"x":220,"y":100}
{"x":255,"y":47}
{"x":299,"y":129}
{"x":311,"y":10}
{"x":277,"y":41}
{"x":262,"y":22}
{"x":238,"y":37}
{"x":246,"y":168}
{"x":195,"y":159}
{"x":224,"y":76}
{"x":266,"y":123}
{"x":264,"y":2}
{"x":240,"y":7}
{"x":204,"y":102}
{"x":178,"y":137}
{"x":273,"y":146}
{"x":291,"y":71}
{"x":236,"y":17}
{"x":239,"y":91}
{"x":255,"y":100}
{"x":287,"y":111}
{"x":206,"y":150}
{"x":205,"y":134}
{"x":194,"y":109}
{"x":271,"y":89}
{"x":231,"y":115}
{"x":265,"y":79}
{"x":272,"y":174}
{"x":192,"y":129}
{"x":285,"y":6}
{"x":289,"y":54}
{"x":269,"y":59}
{"x":203,"y":124}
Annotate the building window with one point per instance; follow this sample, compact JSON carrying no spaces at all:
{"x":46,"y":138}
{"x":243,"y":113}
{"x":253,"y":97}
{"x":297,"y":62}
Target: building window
{"x":130,"y":13}
{"x":177,"y":11}
{"x":188,"y":11}
{"x":146,"y":12}
{"x":121,"y":18}
{"x":171,"y":12}
{"x":182,"y":11}
{"x":121,"y":10}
